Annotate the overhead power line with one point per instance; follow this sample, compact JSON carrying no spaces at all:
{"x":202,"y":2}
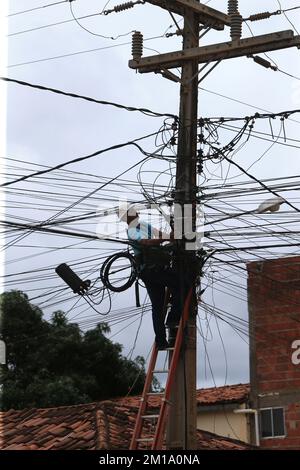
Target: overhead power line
{"x":258,"y":181}
{"x":71,"y":54}
{"x":92,"y":32}
{"x":116,"y":9}
{"x":230,"y":98}
{"x":39,"y":8}
{"x":80,"y":159}
{"x":282,"y":114}
{"x":267,"y":14}
{"x":262,"y":247}
{"x":146,"y":111}
{"x":39,"y":228}
{"x":58,"y":23}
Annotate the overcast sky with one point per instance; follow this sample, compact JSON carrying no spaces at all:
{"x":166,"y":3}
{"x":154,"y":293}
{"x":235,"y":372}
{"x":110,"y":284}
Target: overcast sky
{"x":47,"y":129}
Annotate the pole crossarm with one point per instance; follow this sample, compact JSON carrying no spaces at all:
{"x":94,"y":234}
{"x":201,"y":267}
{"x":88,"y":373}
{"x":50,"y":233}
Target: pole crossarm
{"x":206,"y":15}
{"x":221,"y":51}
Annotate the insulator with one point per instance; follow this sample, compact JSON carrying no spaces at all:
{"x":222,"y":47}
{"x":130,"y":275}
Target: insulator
{"x":260,"y":16}
{"x":265,"y":63}
{"x":123,"y":6}
{"x":236,"y":26}
{"x":137,"y":45}
{"x":233,"y":6}
{"x":178,"y":32}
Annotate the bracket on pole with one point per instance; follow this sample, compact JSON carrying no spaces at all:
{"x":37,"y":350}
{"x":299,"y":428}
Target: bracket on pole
{"x":207,"y":16}
{"x":169,"y":75}
{"x":215,"y":52}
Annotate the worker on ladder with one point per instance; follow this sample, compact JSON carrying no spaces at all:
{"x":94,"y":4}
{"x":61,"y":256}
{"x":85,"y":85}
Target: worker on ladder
{"x":153,"y":264}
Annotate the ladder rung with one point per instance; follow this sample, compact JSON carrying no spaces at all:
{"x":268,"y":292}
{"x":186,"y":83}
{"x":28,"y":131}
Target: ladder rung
{"x":161,"y":371}
{"x":150,"y":416}
{"x":148,"y":439}
{"x":155,"y":393}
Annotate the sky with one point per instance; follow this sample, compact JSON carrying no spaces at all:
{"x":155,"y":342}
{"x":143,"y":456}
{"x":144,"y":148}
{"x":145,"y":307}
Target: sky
{"x":46,"y":129}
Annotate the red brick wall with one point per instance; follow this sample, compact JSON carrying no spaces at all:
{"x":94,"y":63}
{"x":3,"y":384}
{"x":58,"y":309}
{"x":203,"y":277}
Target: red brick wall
{"x":274,"y":314}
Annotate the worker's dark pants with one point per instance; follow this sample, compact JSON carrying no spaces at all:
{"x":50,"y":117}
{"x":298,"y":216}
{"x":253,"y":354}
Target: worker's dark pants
{"x":156,"y":282}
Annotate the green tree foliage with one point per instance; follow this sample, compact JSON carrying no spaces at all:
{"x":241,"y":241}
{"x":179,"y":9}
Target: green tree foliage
{"x":52,"y":363}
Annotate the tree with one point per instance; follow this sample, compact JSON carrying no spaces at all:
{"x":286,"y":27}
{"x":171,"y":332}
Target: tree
{"x":52,"y":363}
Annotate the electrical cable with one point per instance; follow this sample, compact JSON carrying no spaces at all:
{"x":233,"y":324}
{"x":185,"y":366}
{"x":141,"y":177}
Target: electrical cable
{"x":259,"y":182}
{"x":39,"y":8}
{"x":107,"y":265}
{"x":71,"y":54}
{"x":145,"y":111}
{"x":239,"y":101}
{"x":284,"y":13}
{"x":80,"y":159}
{"x":91,"y":32}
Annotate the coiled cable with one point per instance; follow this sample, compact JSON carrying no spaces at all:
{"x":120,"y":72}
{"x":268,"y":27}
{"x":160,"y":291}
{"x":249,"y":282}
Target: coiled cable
{"x":106,"y":267}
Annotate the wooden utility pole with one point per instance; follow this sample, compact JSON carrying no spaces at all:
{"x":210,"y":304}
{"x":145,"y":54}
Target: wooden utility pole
{"x":181,"y":430}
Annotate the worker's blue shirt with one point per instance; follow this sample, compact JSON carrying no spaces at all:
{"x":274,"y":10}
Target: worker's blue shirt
{"x":136,"y":233}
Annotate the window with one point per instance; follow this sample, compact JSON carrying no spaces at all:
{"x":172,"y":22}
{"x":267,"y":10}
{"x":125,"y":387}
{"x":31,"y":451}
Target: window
{"x":272,"y":422}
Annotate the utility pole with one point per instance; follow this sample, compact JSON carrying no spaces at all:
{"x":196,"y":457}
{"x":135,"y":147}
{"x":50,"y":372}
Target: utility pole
{"x":181,"y":430}
{"x":182,"y":423}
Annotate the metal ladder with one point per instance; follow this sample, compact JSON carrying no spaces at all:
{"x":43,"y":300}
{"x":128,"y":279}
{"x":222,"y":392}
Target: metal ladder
{"x":156,"y":441}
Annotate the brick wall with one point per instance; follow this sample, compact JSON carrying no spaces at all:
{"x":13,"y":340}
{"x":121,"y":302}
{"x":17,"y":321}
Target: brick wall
{"x":274,"y":316}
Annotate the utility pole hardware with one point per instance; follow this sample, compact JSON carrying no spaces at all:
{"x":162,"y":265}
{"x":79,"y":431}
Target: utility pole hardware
{"x":181,"y":423}
{"x":222,"y":51}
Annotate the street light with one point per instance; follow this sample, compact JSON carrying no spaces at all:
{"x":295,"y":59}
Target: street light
{"x":269,"y":205}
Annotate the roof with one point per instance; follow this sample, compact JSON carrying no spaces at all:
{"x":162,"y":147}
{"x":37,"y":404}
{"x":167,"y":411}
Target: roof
{"x":223,"y":395}
{"x":95,"y":426}
{"x":206,"y":396}
{"x":210,"y":441}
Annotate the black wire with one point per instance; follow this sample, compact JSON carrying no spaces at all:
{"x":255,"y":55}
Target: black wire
{"x":284,"y":13}
{"x":106,"y":266}
{"x":51,"y":24}
{"x":234,"y":128}
{"x":55,"y":231}
{"x":146,"y":111}
{"x":247,"y":119}
{"x":39,"y":8}
{"x":71,"y":54}
{"x":91,"y":32}
{"x":80,"y":159}
{"x":239,"y":101}
{"x":39,"y":226}
{"x":259,"y":182}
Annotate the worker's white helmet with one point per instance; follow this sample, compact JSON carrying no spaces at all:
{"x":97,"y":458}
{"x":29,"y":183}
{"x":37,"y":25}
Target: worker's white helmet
{"x":125,"y":210}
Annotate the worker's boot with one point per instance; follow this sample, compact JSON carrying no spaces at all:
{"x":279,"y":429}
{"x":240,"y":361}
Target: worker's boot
{"x":162,"y":344}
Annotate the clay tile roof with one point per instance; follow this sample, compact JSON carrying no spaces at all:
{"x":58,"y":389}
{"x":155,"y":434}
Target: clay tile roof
{"x":104,"y":425}
{"x":210,"y":441}
{"x":205,"y":396}
{"x":223,"y":395}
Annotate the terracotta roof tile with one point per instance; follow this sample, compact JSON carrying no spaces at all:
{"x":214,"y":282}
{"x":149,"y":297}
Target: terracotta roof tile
{"x":104,"y":425}
{"x":205,"y":396}
{"x":221,"y":395}
{"x":210,"y":441}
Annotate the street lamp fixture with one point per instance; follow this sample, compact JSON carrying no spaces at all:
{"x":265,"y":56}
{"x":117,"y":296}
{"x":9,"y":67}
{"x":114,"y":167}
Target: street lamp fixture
{"x":270,"y":205}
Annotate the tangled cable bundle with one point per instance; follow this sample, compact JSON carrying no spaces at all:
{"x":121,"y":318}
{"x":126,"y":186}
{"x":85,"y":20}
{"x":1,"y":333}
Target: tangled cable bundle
{"x":106,"y":267}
